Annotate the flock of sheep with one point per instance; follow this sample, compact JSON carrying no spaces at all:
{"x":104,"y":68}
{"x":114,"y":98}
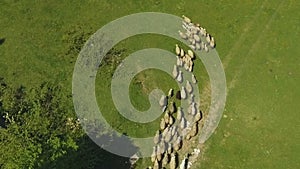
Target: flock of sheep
{"x":173,"y":131}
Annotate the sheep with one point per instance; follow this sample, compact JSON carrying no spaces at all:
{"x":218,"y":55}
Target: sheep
{"x":183,"y":93}
{"x":179,"y":77}
{"x":198,"y":116}
{"x":163,"y":101}
{"x":206,"y":48}
{"x":189,"y":86}
{"x":153,"y":155}
{"x":182,"y":53}
{"x":184,"y":163}
{"x":191,"y":54}
{"x":208,"y":37}
{"x":178,"y":144}
{"x":177,"y":50}
{"x":182,"y":123}
{"x":175,"y":72}
{"x":192,"y":99}
{"x":172,"y":107}
{"x":165,"y":131}
{"x":194,"y":80}
{"x":198,"y":46}
{"x":156,"y":137}
{"x":179,"y":114}
{"x":202,"y":45}
{"x":183,"y":35}
{"x":186,"y":19}
{"x":192,"y":47}
{"x":170,"y":148}
{"x":202,"y":31}
{"x":162,"y":146}
{"x":166,"y":117}
{"x":156,"y":165}
{"x":166,"y":159}
{"x":163,"y":109}
{"x":171,"y":120}
{"x":194,"y":130}
{"x":212,"y":43}
{"x":173,"y":162}
{"x":170,"y":93}
{"x":191,"y":40}
{"x":197,"y":38}
{"x":178,"y":61}
{"x":168,"y":136}
{"x":162,"y":124}
{"x":191,"y":66}
{"x":193,"y":109}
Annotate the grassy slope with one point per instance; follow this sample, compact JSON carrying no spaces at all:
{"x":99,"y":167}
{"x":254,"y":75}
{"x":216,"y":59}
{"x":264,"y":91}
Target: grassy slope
{"x":33,"y":52}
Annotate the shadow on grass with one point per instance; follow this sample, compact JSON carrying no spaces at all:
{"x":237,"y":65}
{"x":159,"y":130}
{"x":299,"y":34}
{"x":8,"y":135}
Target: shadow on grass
{"x":90,"y":156}
{"x":2,"y":40}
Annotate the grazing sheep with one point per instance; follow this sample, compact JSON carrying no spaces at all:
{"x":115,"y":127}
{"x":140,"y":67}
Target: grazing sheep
{"x":184,"y":163}
{"x":198,"y":116}
{"x":192,"y":99}
{"x":182,"y":53}
{"x":179,"y":113}
{"x":208,"y":37}
{"x":182,"y":123}
{"x":183,"y":93}
{"x":193,"y":109}
{"x":194,"y":80}
{"x":179,"y":77}
{"x":177,"y":50}
{"x":212,"y":42}
{"x":183,"y":35}
{"x":173,"y":162}
{"x":163,"y":109}
{"x":194,"y":130}
{"x":202,"y":31}
{"x":164,"y":133}
{"x":165,"y":160}
{"x":171,"y":120}
{"x":206,"y":48}
{"x":192,"y":47}
{"x":175,"y":72}
{"x":163,"y":101}
{"x":156,"y":164}
{"x":191,"y":54}
{"x":197,"y":38}
{"x":202,"y":45}
{"x":170,"y":93}
{"x":166,"y":117}
{"x":168,"y":137}
{"x":174,"y":130}
{"x":172,"y":107}
{"x":153,"y":155}
{"x":189,"y":87}
{"x":156,"y":138}
{"x":162,"y":124}
{"x":198,"y":46}
{"x":178,"y":61}
{"x":186,"y":19}
{"x":170,"y":148}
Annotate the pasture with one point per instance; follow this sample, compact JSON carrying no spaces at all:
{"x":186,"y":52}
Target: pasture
{"x":257,"y":42}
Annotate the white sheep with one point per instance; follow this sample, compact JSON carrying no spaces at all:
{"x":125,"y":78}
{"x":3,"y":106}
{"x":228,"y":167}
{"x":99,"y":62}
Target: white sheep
{"x":206,"y":48}
{"x":182,"y":123}
{"x":197,"y":38}
{"x":156,"y":138}
{"x":182,"y":35}
{"x":179,"y":77}
{"x":194,"y":80}
{"x":191,"y":54}
{"x":208,"y":38}
{"x":189,"y":86}
{"x":183,"y":93}
{"x":170,"y":93}
{"x":198,"y":46}
{"x":182,"y":53}
{"x":163,"y":101}
{"x":173,"y":162}
{"x":175,"y":71}
{"x":162,"y":124}
{"x":212,"y":42}
{"x":186,"y":19}
{"x":192,"y":47}
{"x":179,"y":113}
{"x":177,"y":50}
{"x":156,"y":164}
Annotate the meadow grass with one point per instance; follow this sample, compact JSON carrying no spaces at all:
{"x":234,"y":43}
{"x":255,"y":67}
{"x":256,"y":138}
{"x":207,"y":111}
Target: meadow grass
{"x":257,"y":43}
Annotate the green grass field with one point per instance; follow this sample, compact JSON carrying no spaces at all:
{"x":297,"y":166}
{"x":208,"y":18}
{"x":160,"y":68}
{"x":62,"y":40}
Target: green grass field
{"x":257,"y":42}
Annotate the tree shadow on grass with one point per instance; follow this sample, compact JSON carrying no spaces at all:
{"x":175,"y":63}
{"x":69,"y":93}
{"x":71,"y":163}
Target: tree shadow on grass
{"x":90,"y":156}
{"x":2,"y":40}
